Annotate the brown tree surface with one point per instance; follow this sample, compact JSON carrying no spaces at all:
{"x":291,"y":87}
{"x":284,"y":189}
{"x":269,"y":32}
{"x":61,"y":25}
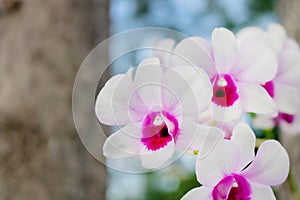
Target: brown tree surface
{"x":42,"y":44}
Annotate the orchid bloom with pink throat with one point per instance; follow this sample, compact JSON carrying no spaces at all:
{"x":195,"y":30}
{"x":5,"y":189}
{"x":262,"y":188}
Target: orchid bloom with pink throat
{"x":158,"y":111}
{"x":232,"y":171}
{"x":236,"y":72}
{"x":284,"y":87}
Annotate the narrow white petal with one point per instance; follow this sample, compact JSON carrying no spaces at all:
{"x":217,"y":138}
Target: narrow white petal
{"x":245,"y":138}
{"x":147,"y":81}
{"x":225,"y":49}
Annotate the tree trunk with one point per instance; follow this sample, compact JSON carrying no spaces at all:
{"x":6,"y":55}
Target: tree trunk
{"x":42,"y":44}
{"x":290,"y":17}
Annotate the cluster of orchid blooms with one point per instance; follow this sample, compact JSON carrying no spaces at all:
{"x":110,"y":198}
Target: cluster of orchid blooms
{"x":191,"y":96}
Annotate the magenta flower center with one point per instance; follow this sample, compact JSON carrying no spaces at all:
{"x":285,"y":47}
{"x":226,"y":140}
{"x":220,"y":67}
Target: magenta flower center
{"x":269,"y":87}
{"x":159,"y":128}
{"x":288,"y":118}
{"x":224,"y":90}
{"x":233,"y":187}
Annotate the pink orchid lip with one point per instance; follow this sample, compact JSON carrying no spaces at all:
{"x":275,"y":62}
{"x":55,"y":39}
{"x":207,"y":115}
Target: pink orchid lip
{"x":288,"y":118}
{"x":269,"y":87}
{"x":159,"y":128}
{"x":232,"y":187}
{"x":224,"y":90}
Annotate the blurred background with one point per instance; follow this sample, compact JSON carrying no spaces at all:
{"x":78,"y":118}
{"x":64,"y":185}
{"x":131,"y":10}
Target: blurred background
{"x":43,"y":43}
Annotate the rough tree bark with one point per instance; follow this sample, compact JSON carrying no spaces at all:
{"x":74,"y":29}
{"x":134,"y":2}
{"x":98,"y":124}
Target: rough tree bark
{"x":290,"y":16}
{"x":42,"y":43}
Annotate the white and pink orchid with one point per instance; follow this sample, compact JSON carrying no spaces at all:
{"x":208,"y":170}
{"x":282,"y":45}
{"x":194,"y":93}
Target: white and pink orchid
{"x":283,"y":88}
{"x":232,"y":171}
{"x":191,"y":97}
{"x":159,"y":110}
{"x":236,"y":72}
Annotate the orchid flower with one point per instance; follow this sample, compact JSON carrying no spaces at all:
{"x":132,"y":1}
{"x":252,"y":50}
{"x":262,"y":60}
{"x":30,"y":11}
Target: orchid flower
{"x":236,"y":72}
{"x":283,"y":88}
{"x":158,"y":112}
{"x":232,"y":171}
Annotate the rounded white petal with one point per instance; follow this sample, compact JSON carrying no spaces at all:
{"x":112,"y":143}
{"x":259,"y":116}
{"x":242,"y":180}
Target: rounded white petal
{"x":194,"y":51}
{"x":260,"y":192}
{"x":186,"y":90}
{"x":270,"y":166}
{"x":278,"y":30}
{"x":286,"y":98}
{"x":199,"y":193}
{"x":249,"y":33}
{"x":226,"y":114}
{"x":224,"y":159}
{"x":112,"y":104}
{"x":155,"y":159}
{"x":147,"y":81}
{"x":123,"y":143}
{"x":225,"y":49}
{"x":245,"y":138}
{"x":269,"y":38}
{"x":254,"y":98}
{"x":255,"y":63}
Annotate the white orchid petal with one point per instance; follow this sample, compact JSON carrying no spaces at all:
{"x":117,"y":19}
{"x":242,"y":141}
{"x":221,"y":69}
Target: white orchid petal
{"x":224,"y":159}
{"x":186,"y":90}
{"x":123,"y":143}
{"x":245,"y":138}
{"x":254,"y":98}
{"x":286,"y":98}
{"x":255,"y":63}
{"x":196,"y":137}
{"x":225,"y":49}
{"x":270,"y":166}
{"x":202,"y":193}
{"x":194,"y":51}
{"x":154,"y":159}
{"x":226,"y":114}
{"x":163,"y":49}
{"x":260,"y":192}
{"x":147,"y":81}
{"x":112,"y":104}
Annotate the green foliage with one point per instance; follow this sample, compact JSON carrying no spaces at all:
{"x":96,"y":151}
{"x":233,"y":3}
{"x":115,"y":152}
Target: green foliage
{"x":262,"y":5}
{"x":155,"y":192}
